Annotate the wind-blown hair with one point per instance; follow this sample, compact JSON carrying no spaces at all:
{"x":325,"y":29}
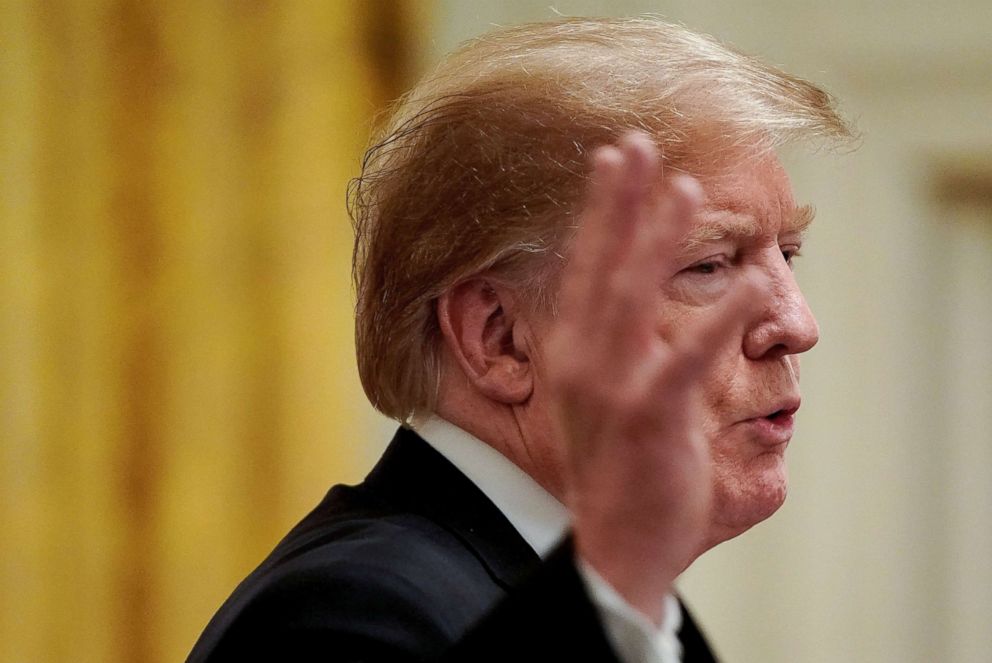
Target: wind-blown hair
{"x":482,"y":165}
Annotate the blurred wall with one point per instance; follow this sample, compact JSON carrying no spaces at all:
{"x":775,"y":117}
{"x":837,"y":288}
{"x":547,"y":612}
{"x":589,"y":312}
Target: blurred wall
{"x":882,"y":552}
{"x":177,"y":382}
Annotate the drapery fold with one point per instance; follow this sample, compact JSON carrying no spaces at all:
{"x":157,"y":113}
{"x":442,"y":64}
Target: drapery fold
{"x":177,"y":379}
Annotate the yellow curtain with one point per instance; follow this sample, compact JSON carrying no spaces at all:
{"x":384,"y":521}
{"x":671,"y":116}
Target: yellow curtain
{"x":177,"y":380}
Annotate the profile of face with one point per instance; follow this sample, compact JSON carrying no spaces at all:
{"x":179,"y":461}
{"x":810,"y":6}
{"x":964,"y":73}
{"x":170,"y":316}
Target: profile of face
{"x":748,"y":222}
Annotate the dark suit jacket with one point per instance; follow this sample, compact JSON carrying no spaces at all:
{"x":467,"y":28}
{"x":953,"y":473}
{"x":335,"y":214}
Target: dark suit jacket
{"x":413,"y":564}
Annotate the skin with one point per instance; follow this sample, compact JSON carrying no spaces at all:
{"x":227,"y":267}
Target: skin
{"x":655,"y":431}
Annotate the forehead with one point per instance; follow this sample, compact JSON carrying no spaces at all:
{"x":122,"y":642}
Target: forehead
{"x":751,"y":198}
{"x":751,"y":185}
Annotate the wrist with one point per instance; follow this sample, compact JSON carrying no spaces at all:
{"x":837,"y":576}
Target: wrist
{"x":637,"y":571}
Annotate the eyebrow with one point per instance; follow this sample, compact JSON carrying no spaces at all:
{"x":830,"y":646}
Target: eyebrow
{"x":732,"y":221}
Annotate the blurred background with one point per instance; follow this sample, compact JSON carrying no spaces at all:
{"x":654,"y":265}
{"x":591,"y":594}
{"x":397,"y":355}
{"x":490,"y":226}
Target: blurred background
{"x":177,"y":382}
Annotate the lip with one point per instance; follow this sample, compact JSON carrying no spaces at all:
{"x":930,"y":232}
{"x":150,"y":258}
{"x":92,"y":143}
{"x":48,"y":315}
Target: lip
{"x":776,"y":427}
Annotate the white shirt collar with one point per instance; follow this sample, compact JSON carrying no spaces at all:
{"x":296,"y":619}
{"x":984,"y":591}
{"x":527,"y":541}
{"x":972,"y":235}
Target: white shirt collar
{"x":539,"y":518}
{"x":542,"y":522}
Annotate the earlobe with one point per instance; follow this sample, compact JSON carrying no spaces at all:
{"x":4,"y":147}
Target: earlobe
{"x":478,"y":322}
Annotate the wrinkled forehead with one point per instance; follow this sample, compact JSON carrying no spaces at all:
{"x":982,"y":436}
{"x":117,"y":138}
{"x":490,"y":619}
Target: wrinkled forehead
{"x":751,"y":195}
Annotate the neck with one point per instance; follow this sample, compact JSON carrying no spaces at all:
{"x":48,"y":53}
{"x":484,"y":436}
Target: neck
{"x":504,"y":428}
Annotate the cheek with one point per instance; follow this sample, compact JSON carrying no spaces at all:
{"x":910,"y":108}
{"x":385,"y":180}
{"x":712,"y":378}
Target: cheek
{"x":726,"y":394}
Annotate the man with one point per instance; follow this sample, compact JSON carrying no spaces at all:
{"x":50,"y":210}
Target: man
{"x":573,"y":261}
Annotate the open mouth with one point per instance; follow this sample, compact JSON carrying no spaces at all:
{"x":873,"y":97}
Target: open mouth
{"x":781,"y":415}
{"x":776,"y":428}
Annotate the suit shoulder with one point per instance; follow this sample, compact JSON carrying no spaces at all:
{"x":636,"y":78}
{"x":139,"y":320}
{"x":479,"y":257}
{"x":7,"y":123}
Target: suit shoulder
{"x":395,"y":582}
{"x":399,"y":554}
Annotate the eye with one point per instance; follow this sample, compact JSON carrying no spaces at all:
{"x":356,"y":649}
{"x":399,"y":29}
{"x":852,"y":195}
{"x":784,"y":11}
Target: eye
{"x":790,"y":252}
{"x":709,"y":265}
{"x":705,"y":280}
{"x":705,"y":267}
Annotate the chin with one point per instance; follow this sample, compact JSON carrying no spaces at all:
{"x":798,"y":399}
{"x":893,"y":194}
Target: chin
{"x":746,"y":495}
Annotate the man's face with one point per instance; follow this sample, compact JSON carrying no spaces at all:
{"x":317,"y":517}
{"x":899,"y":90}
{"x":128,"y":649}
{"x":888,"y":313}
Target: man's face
{"x":748,"y":224}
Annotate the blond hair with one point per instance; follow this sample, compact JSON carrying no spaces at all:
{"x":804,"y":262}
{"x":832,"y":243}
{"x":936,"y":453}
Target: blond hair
{"x":482,"y":165}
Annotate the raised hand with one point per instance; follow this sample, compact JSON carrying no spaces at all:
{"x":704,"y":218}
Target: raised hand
{"x":639,"y":475}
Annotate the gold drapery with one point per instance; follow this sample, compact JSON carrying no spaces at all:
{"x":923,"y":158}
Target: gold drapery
{"x":177,"y":380}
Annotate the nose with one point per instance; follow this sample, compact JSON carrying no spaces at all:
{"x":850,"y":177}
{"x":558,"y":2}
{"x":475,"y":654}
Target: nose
{"x":784,"y":324}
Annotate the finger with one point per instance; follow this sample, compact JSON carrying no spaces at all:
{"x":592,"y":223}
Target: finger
{"x":624,"y":253}
{"x":625,"y":318}
{"x":633,"y":302}
{"x":671,"y":216}
{"x":676,"y":207}
{"x":625,"y":199}
{"x":618,"y":194}
{"x":593,"y":234}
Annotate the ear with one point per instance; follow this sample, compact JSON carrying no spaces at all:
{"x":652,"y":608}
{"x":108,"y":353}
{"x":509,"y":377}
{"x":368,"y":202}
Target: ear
{"x":481,"y":328}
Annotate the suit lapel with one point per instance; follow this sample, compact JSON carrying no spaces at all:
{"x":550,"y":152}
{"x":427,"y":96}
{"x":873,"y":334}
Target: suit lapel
{"x":413,"y":476}
{"x":695,"y":649}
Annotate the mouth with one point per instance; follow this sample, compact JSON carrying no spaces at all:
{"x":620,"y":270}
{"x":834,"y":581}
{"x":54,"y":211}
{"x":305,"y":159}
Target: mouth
{"x":782,"y":414}
{"x":776,"y":427}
